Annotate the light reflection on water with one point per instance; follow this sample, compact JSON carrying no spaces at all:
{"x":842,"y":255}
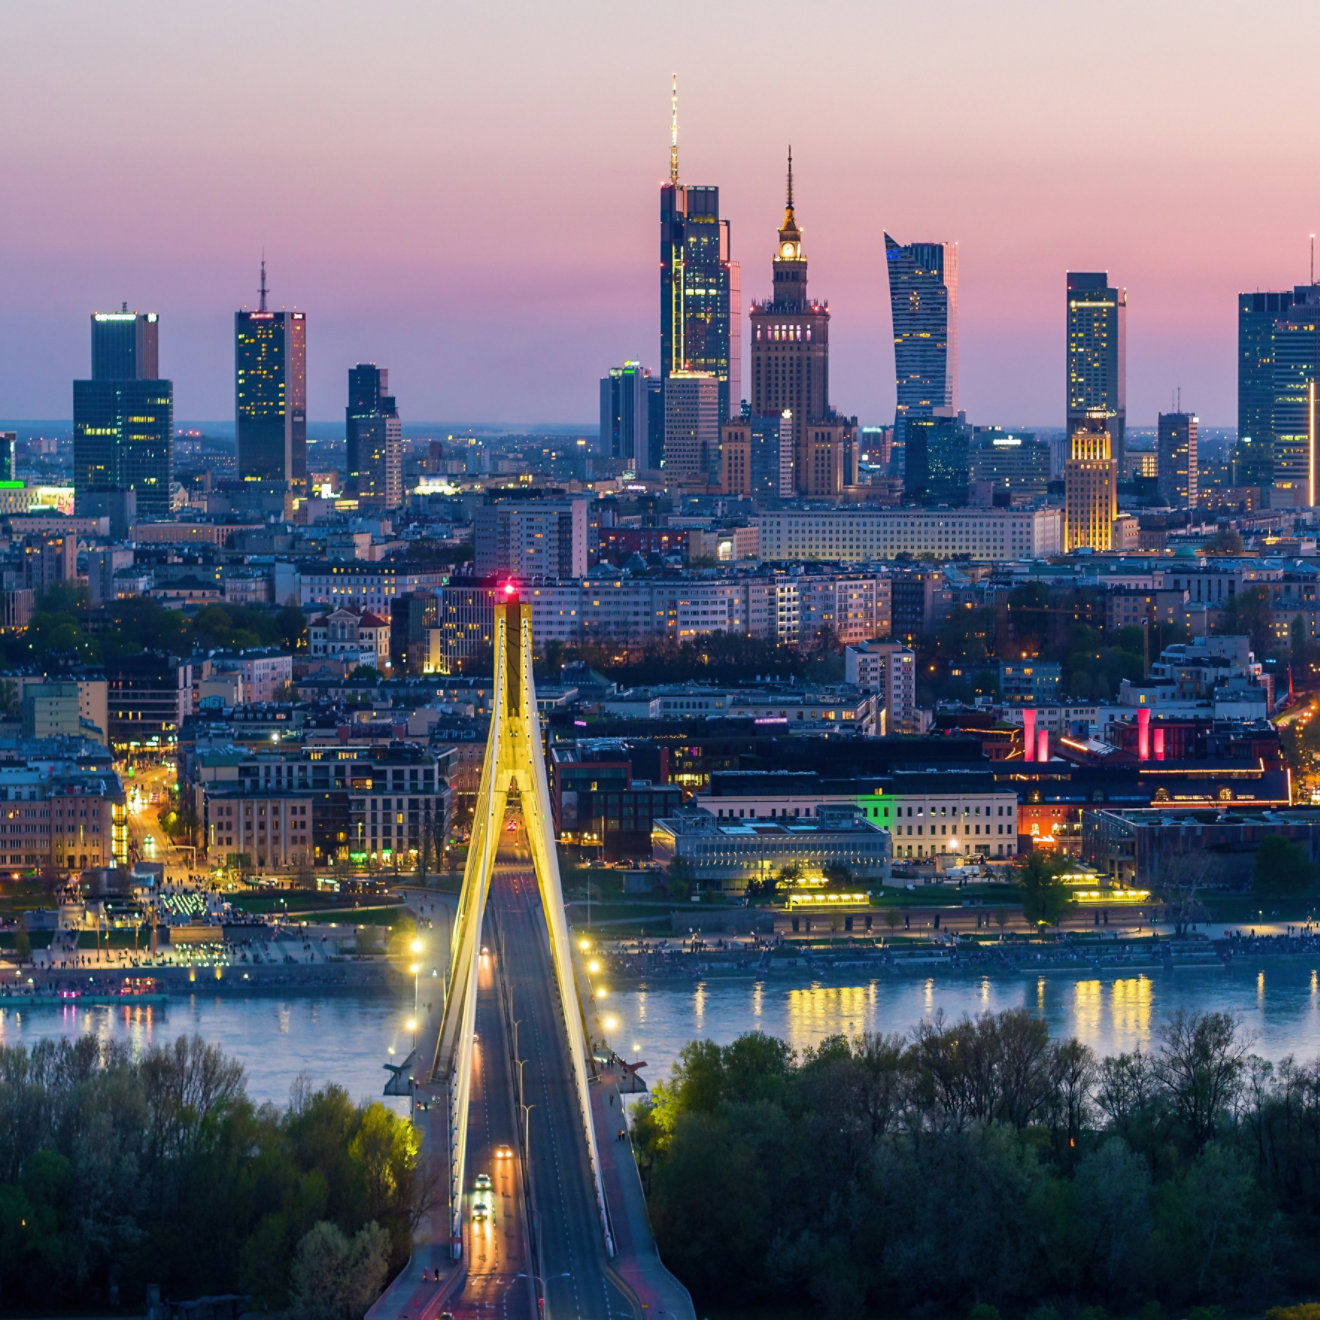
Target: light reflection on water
{"x":345,"y":1039}
{"x":332,"y":1038}
{"x":1109,"y":1013}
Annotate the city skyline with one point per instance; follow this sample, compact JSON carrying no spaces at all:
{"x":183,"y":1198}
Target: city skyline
{"x":996,"y":173}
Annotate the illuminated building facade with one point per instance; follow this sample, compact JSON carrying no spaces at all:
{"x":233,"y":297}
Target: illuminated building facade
{"x":936,"y":467}
{"x":700,"y":285}
{"x":374,"y":436}
{"x":1296,"y":368}
{"x":1010,"y":464}
{"x":123,"y":417}
{"x":270,"y":393}
{"x":626,"y":413}
{"x":692,"y":428}
{"x":1258,"y":313}
{"x":1090,"y":484}
{"x":791,"y":360}
{"x":1096,"y":359}
{"x":923,"y":299}
{"x":1176,"y":453}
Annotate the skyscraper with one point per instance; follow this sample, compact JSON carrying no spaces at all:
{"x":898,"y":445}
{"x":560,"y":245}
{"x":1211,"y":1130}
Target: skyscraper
{"x":791,"y":354}
{"x":692,"y":428}
{"x":1090,"y":485}
{"x":374,"y":437}
{"x":1096,"y":359}
{"x":923,"y":300}
{"x":1176,"y":453}
{"x":700,"y":284}
{"x":270,"y":392}
{"x":123,"y":417}
{"x":1257,"y":315}
{"x":125,"y":345}
{"x":1278,"y":358}
{"x":937,"y":456}
{"x":1292,"y":418}
{"x":625,"y":413}
{"x":8,"y":462}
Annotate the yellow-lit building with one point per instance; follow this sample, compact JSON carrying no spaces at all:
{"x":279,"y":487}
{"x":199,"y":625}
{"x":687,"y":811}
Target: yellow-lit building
{"x":1090,"y":484}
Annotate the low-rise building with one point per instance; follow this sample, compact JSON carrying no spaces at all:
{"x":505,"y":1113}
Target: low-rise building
{"x":729,"y":854}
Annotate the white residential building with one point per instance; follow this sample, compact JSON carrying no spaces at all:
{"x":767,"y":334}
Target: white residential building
{"x":862,"y":535}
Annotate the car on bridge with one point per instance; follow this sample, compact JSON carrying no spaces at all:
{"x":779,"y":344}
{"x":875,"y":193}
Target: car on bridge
{"x":480,"y":1212}
{"x":503,"y":1153}
{"x":483,"y":1182}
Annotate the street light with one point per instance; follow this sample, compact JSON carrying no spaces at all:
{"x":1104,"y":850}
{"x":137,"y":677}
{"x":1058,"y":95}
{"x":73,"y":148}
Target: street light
{"x":527,"y":1131}
{"x":522,"y":1063}
{"x":540,"y":1301}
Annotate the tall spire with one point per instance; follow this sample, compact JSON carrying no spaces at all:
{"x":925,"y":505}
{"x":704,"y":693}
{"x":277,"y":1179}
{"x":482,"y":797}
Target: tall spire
{"x":262,"y":289}
{"x":790,"y":178}
{"x":790,"y":237}
{"x":673,"y":133}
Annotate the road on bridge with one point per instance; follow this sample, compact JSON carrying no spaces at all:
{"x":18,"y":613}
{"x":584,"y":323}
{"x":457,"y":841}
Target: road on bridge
{"x":576,"y":1276}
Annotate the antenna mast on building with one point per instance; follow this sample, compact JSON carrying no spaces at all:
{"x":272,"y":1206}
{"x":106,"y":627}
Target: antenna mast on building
{"x":262,"y":289}
{"x":673,"y":133}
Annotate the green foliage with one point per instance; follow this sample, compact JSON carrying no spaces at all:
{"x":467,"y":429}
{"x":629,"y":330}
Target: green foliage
{"x":1044,"y":895}
{"x":1282,"y":867}
{"x":335,"y":1277}
{"x":123,"y":1170}
{"x":980,"y":1168}
{"x":64,"y":627}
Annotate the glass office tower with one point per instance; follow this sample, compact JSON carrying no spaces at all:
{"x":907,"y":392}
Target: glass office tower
{"x":923,"y":299}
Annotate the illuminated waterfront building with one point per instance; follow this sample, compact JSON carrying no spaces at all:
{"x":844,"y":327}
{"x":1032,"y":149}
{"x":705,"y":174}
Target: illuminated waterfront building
{"x":123,"y":417}
{"x":1096,"y":358}
{"x":700,"y":284}
{"x":374,"y":438}
{"x":1090,"y":485}
{"x":923,"y":299}
{"x":270,"y":392}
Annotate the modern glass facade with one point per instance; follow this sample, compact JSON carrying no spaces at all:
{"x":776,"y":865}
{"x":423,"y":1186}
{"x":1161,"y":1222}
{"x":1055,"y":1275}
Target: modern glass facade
{"x":1257,"y":315}
{"x":625,"y":413}
{"x":1177,"y":465}
{"x":270,"y":389}
{"x":700,"y":290}
{"x":123,"y":418}
{"x":937,"y":461}
{"x":923,"y":300}
{"x":374,"y":437}
{"x":1097,"y":354}
{"x":125,"y":345}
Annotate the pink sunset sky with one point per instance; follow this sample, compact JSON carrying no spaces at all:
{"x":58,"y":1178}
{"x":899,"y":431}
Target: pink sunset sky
{"x":466,"y":193}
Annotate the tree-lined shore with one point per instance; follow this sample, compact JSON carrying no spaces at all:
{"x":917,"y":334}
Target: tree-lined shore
{"x":980,"y":1163}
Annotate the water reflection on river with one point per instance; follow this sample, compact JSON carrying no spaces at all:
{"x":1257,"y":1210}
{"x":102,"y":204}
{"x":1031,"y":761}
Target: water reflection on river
{"x":341,"y":1038}
{"x":1278,"y":1002}
{"x":346,"y":1038}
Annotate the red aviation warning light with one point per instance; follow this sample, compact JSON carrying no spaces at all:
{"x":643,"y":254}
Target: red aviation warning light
{"x":510,"y":590}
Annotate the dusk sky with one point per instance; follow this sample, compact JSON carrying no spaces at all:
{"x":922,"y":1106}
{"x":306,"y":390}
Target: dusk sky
{"x":466,"y":193}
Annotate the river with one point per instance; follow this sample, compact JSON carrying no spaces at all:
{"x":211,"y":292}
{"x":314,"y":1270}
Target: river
{"x":347,"y":1038}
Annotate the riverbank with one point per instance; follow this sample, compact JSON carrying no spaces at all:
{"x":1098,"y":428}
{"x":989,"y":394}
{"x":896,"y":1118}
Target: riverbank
{"x":121,"y":983}
{"x":642,"y":967}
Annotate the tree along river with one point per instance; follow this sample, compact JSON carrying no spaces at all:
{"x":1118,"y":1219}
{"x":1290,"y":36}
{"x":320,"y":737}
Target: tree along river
{"x":347,"y":1038}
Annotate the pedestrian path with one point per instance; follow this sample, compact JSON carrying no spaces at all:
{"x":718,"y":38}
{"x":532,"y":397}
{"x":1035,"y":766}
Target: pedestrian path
{"x":638,"y":1260}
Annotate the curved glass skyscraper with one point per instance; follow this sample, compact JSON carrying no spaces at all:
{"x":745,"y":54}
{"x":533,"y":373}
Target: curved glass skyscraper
{"x":923,"y":297}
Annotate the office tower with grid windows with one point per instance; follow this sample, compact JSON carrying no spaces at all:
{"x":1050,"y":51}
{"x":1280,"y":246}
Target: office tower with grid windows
{"x":1176,"y":459}
{"x":923,"y":302}
{"x":374,"y":438}
{"x":270,"y":393}
{"x":123,"y":417}
{"x":700,"y":284}
{"x":1090,"y":485}
{"x":1096,"y":355}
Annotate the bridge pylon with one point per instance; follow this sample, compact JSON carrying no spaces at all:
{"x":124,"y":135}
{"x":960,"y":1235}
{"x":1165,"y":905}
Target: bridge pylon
{"x":514,"y":760}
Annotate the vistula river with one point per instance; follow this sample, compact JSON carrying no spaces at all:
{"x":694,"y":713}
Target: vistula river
{"x":347,"y":1038}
